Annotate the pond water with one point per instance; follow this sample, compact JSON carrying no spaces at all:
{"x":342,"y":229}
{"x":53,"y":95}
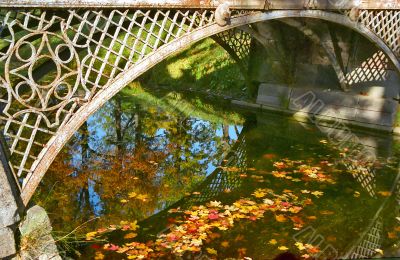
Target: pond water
{"x":167,"y":175}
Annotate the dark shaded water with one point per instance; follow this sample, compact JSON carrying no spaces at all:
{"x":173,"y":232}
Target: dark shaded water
{"x":202,"y":180}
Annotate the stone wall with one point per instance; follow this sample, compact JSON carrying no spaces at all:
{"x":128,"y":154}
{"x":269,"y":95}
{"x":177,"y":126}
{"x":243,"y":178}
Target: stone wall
{"x":355,"y":109}
{"x":295,"y":53}
{"x":354,"y":79}
{"x":10,"y":209}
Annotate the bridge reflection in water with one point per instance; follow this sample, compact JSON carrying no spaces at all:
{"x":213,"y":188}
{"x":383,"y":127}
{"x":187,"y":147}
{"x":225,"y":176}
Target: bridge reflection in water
{"x":233,"y":175}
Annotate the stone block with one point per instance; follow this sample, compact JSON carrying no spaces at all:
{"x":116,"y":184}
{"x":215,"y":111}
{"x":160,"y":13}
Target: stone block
{"x":377,"y":104}
{"x":9,"y":210}
{"x":273,"y":95}
{"x":340,"y":112}
{"x":36,"y":239}
{"x":273,"y":90}
{"x":7,"y":243}
{"x":305,"y":100}
{"x":337,"y":98}
{"x":375,"y":117}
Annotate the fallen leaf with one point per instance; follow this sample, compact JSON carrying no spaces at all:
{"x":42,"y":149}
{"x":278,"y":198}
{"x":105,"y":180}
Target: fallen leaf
{"x":215,"y":204}
{"x":142,"y":197}
{"x":280,"y":218}
{"x":380,"y":251}
{"x":211,"y":251}
{"x":99,"y":256}
{"x":130,"y":235}
{"x":132,"y":194}
{"x":225,"y":244}
{"x":384,"y":193}
{"x":269,"y":156}
{"x":300,"y":246}
{"x":259,"y":194}
{"x":111,"y":247}
{"x":273,"y":242}
{"x":283,"y":248}
{"x":91,"y":235}
{"x":327,"y":212}
{"x":317,"y":193}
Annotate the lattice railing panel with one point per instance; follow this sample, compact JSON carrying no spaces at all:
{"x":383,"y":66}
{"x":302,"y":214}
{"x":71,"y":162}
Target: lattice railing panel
{"x":237,"y":42}
{"x":371,"y":241}
{"x":374,"y":69}
{"x":385,"y":24}
{"x":52,"y":62}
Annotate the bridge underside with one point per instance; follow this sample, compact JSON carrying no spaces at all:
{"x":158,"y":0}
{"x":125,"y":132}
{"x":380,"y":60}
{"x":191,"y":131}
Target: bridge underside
{"x":58,"y":66}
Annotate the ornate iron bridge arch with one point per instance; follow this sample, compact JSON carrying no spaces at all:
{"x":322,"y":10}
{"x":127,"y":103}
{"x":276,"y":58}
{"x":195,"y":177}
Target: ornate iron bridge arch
{"x":95,"y":53}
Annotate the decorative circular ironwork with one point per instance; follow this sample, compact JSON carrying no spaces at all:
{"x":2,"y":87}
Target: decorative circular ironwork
{"x":37,"y":50}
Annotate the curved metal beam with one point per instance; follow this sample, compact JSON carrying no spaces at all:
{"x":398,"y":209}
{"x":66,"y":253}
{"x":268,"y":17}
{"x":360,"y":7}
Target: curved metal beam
{"x":57,"y":142}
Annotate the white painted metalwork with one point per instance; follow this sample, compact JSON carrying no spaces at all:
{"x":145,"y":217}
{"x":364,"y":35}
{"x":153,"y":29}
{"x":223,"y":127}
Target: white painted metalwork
{"x":57,"y":67}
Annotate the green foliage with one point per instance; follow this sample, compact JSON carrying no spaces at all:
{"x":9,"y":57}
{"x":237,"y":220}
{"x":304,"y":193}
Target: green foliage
{"x":204,"y":66}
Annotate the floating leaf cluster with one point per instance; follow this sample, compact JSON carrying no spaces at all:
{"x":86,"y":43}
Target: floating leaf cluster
{"x":194,"y":227}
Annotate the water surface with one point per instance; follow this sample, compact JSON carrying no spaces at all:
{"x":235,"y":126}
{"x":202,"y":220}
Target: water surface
{"x":166,"y":175}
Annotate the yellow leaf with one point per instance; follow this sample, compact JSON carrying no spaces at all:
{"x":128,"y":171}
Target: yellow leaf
{"x":132,"y":194}
{"x":300,"y":246}
{"x":317,"y":193}
{"x":384,"y":193}
{"x":215,"y":204}
{"x":134,"y":225}
{"x":273,"y":242}
{"x":130,"y":235}
{"x":280,"y":218}
{"x":259,"y":194}
{"x":225,"y":244}
{"x":211,"y":251}
{"x":90,"y":235}
{"x":283,"y":248}
{"x":142,"y":197}
{"x":99,"y":256}
{"x":123,"y":201}
{"x":380,"y":251}
{"x":327,"y":212}
{"x":356,"y":194}
{"x":122,"y":250}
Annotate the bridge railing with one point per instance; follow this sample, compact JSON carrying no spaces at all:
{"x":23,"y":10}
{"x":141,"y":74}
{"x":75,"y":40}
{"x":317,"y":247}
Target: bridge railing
{"x":234,"y":4}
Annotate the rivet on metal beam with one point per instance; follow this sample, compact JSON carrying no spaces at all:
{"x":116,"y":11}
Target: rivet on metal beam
{"x":223,"y":14}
